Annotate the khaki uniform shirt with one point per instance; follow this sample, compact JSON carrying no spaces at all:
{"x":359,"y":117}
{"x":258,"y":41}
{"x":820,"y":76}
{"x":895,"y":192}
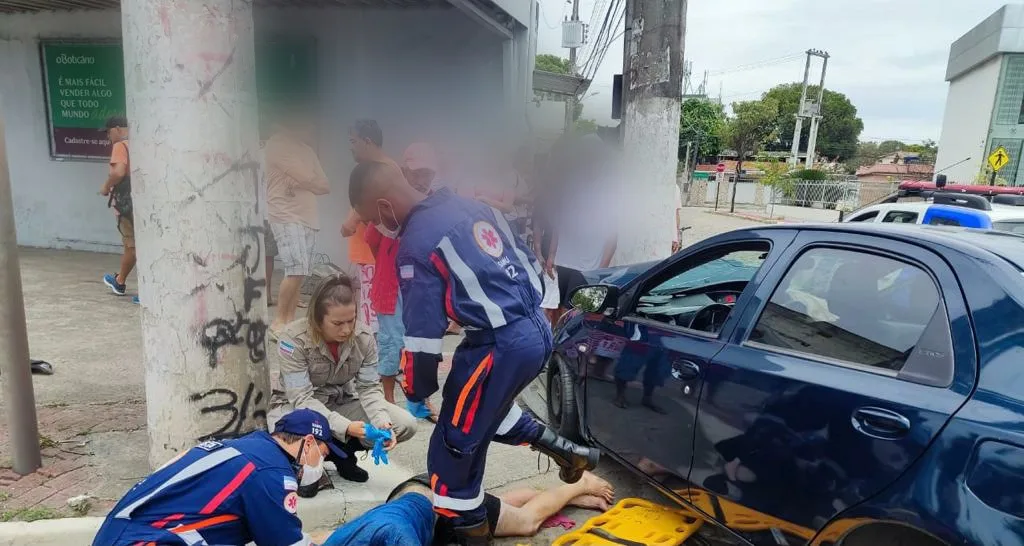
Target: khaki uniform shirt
{"x":312,"y":379}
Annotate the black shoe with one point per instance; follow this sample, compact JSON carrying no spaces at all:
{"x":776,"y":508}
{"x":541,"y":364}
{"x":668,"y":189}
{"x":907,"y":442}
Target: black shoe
{"x":573,"y":459}
{"x":476,"y":535}
{"x":348,"y":468}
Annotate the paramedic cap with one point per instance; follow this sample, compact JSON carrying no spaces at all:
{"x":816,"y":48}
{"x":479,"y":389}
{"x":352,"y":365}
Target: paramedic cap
{"x":306,"y":421}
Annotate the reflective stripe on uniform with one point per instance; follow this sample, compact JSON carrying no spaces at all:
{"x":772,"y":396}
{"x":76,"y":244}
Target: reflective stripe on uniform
{"x":510,"y":420}
{"x":469,"y":281}
{"x":424,"y":345}
{"x":212,"y":460}
{"x":531,"y":271}
{"x":459,"y":505}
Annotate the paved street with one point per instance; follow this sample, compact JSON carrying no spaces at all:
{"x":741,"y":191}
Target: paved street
{"x":92,"y":411}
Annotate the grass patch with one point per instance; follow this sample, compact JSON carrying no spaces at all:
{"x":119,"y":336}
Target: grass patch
{"x":30,"y":514}
{"x":5,"y":496}
{"x":45,"y":442}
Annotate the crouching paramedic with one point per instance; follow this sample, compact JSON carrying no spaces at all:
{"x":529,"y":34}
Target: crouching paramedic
{"x":458,"y":259}
{"x":231,"y":492}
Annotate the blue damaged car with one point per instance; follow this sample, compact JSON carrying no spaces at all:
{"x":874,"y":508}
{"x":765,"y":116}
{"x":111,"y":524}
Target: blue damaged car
{"x":835,"y":384}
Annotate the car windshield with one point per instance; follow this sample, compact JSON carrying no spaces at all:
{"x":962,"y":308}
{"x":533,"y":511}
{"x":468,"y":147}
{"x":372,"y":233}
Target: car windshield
{"x":1012,"y":226}
{"x":736,"y":266}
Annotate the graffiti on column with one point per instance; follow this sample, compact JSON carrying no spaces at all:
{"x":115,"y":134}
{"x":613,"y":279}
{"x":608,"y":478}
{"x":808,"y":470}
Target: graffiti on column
{"x":237,"y":415}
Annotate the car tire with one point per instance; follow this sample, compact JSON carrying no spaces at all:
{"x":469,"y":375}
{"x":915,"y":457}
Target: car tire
{"x":563,"y":414}
{"x":888,"y":535}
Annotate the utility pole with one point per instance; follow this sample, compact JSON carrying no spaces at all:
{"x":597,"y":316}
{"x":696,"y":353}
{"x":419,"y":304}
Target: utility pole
{"x":195,"y":182}
{"x":15,"y":369}
{"x":808,"y":110}
{"x":651,"y":112}
{"x":572,"y":37}
{"x":794,"y":159}
{"x":812,"y":142}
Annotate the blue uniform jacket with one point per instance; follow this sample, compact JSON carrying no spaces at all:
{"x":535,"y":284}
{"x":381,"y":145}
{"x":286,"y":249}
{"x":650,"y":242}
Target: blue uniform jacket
{"x":231,"y":492}
{"x":458,"y":259}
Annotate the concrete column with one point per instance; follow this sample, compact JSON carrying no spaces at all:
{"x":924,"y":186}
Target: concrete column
{"x":651,"y":115}
{"x":192,"y":114}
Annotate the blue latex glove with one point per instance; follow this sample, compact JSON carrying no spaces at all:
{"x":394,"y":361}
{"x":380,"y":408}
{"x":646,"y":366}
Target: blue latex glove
{"x":378,"y":437}
{"x":418,"y":410}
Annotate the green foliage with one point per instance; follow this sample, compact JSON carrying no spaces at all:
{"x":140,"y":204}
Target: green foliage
{"x":776,"y":175}
{"x":809,"y":174}
{"x":869,"y":153}
{"x":586,"y":126}
{"x":839,"y":130}
{"x":552,"y":63}
{"x":29,"y":514}
{"x":751,"y":126}
{"x":701,"y":122}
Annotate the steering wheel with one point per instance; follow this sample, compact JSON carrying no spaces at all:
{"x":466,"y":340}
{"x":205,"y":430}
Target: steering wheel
{"x":710,"y":318}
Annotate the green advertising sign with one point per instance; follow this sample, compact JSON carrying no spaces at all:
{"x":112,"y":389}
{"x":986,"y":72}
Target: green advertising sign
{"x":84,"y":86}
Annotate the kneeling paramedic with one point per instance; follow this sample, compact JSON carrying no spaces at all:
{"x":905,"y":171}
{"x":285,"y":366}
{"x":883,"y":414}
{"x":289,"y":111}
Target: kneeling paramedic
{"x":458,"y":259}
{"x":227,"y":492}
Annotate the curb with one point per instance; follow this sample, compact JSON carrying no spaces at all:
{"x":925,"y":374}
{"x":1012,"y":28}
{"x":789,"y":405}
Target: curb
{"x":325,"y":511}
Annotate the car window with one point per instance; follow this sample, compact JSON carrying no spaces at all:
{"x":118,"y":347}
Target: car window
{"x":900,"y":217}
{"x":714,"y":277}
{"x":1012,"y":226}
{"x":849,"y":306}
{"x":865,"y":217}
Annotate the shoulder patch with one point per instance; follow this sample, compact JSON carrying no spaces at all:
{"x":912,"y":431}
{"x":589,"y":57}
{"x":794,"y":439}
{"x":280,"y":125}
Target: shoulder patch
{"x":487,"y":239}
{"x":210,"y":445}
{"x":286,"y":348}
{"x":291,"y":502}
{"x":290,"y":484}
{"x":406,"y":272}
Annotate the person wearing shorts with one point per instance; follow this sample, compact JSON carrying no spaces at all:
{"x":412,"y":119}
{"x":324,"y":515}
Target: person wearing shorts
{"x":119,"y":178}
{"x":408,"y":517}
{"x":294,"y":180}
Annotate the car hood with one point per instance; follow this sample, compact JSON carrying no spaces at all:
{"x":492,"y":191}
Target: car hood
{"x":618,"y":276}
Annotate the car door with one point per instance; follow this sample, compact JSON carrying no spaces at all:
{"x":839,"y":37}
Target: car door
{"x":644,"y":370}
{"x":831,"y":386}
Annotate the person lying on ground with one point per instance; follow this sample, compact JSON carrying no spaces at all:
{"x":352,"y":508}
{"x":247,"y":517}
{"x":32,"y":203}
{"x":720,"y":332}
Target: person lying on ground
{"x":407,"y":518}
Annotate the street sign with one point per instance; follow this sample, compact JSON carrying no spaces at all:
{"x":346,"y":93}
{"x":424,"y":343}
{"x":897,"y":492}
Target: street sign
{"x":720,"y":167}
{"x":998,"y":159}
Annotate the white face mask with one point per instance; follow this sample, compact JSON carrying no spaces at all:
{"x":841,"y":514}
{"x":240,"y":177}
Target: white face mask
{"x":312,"y":474}
{"x":389,"y":233}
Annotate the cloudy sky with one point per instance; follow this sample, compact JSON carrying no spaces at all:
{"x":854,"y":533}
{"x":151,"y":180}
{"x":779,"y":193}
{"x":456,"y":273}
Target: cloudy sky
{"x":888,"y":56}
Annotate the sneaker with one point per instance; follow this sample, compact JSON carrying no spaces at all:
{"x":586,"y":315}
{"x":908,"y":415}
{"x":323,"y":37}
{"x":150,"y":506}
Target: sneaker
{"x":111,"y":281}
{"x":135,"y":300}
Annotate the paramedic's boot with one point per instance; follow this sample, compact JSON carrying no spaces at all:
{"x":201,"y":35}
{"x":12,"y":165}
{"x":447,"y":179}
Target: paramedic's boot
{"x":573,"y":458}
{"x":347,"y":467}
{"x":476,"y":535}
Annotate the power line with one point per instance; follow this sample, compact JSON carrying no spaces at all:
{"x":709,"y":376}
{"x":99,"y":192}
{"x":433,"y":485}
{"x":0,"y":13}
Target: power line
{"x":759,"y":64}
{"x":544,"y":16}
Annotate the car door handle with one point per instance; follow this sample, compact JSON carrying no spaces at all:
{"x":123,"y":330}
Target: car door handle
{"x":880,"y":423}
{"x":686,"y":370}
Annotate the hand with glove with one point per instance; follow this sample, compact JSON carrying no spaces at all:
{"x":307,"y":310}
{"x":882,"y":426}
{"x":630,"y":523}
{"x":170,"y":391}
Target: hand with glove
{"x":382,"y":439}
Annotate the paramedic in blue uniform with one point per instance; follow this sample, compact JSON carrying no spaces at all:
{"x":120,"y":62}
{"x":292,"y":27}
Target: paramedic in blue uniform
{"x":227,"y":492}
{"x":459,"y":260}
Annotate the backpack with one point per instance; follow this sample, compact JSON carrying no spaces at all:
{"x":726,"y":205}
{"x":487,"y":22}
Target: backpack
{"x":121,"y":195}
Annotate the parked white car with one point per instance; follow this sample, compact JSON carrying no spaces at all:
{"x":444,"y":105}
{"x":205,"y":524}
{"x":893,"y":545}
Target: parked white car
{"x":1003,"y":217}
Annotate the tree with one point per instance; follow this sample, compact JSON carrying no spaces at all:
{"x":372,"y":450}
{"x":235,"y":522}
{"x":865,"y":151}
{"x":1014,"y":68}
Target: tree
{"x":928,"y":150}
{"x":552,"y":63}
{"x":701,"y":123}
{"x":752,"y":125}
{"x":839,"y":130}
{"x":586,"y":126}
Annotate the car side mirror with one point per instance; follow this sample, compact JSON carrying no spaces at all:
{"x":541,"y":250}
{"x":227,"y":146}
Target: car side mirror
{"x":594,"y":298}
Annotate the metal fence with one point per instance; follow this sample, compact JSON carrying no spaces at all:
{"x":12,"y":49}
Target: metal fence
{"x":837,"y":192}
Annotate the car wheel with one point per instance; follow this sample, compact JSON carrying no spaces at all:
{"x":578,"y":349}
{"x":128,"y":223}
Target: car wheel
{"x":563,"y":415}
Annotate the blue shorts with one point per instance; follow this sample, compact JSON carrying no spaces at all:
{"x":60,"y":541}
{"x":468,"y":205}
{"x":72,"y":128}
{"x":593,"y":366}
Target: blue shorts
{"x":390,"y":341}
{"x":405,"y":521}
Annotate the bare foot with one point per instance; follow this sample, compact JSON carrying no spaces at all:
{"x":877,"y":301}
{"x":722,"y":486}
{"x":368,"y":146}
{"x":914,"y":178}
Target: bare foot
{"x":598,"y":487}
{"x":591,"y":502}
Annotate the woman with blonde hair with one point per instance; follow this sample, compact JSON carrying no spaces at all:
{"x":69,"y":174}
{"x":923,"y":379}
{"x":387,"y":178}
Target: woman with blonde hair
{"x":319,"y":356}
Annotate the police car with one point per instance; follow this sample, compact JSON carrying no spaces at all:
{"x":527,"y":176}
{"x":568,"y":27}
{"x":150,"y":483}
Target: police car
{"x":1002,"y":213}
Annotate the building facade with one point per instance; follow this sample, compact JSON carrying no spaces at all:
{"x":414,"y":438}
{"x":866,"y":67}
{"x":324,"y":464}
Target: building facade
{"x":449,"y":72}
{"x":985,"y":105}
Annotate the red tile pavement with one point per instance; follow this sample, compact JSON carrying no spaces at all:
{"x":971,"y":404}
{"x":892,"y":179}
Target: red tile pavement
{"x":66,"y":471}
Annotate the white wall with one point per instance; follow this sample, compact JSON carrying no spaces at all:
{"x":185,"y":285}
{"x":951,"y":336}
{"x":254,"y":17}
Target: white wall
{"x":56,"y":204}
{"x":966,"y":123}
{"x":425,"y":75}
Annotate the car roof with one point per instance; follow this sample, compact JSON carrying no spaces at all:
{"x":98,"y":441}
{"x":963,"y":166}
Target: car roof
{"x":998,"y":213}
{"x":979,"y":243}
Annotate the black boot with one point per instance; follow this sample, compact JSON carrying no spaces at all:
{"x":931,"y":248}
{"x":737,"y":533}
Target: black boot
{"x":476,"y":535}
{"x":348,"y":468}
{"x":573,"y":458}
